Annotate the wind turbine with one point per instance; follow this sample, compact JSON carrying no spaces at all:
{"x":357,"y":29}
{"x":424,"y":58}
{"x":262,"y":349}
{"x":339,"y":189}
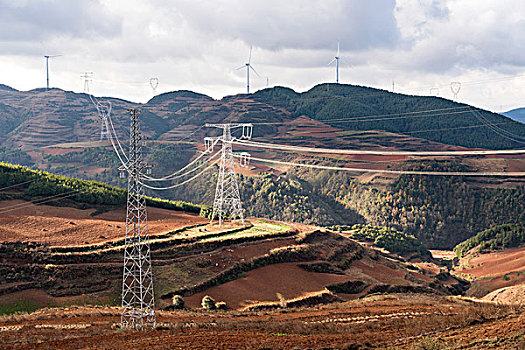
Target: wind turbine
{"x":336,"y":59}
{"x":47,"y":67}
{"x":248,"y":67}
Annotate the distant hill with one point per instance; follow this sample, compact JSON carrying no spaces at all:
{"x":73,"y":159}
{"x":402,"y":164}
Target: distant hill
{"x":517,"y":114}
{"x":373,"y":109}
{"x":45,"y":117}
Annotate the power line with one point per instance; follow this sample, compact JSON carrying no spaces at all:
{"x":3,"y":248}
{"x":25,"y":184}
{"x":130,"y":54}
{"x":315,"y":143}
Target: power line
{"x":376,"y":116}
{"x":179,"y":184}
{"x":502,"y":132}
{"x":40,"y":201}
{"x":370,"y":152}
{"x":174,"y":174}
{"x":396,"y":172}
{"x":456,"y":128}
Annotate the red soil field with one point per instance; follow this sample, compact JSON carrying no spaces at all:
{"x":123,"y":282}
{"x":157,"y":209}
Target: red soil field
{"x":383,"y":322}
{"x":498,"y":263}
{"x":262,"y":285}
{"x":66,"y":226}
{"x":379,"y":272}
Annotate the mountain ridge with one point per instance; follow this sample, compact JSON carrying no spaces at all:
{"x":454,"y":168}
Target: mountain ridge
{"x":70,"y":117}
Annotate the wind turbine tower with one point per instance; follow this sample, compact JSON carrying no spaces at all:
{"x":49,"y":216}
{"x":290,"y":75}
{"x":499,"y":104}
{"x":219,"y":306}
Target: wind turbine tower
{"x":47,"y":57}
{"x":248,"y":67}
{"x":336,"y":60}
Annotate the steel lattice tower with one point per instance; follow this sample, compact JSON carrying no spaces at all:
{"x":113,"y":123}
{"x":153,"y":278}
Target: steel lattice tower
{"x":138,"y":304}
{"x":104,"y":109}
{"x":227,"y":197}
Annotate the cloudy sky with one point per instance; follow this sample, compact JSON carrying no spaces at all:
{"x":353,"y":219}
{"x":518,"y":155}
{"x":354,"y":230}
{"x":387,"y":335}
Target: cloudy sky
{"x":421,"y":45}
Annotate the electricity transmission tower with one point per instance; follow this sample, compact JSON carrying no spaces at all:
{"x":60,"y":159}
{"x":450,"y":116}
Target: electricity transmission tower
{"x":455,"y":86}
{"x":104,"y":110}
{"x":138,"y":304}
{"x":154,"y":83}
{"x":227,"y":197}
{"x":87,"y":80}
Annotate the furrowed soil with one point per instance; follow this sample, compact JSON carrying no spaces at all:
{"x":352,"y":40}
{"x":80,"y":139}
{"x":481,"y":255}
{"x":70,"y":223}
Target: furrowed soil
{"x":495,"y":270}
{"x":379,"y":322}
{"x":66,"y":226}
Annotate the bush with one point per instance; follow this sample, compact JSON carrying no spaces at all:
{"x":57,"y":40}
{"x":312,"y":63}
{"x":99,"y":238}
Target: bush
{"x":177,"y":302}
{"x":429,"y":343}
{"x":208,"y":303}
{"x":221,"y":305}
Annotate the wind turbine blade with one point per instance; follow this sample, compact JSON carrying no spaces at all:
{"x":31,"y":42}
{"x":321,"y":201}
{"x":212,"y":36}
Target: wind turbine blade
{"x":255,"y":71}
{"x":241,"y":67}
{"x":332,"y":61}
{"x":250,"y":56}
{"x":338,"y":49}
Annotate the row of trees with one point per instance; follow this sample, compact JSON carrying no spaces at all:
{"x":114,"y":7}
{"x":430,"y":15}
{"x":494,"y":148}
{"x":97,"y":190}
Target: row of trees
{"x":36,"y":183}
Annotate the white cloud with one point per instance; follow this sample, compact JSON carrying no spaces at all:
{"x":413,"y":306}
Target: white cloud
{"x":198,"y":44}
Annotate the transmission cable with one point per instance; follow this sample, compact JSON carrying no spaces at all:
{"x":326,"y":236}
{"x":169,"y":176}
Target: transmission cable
{"x":145,"y":177}
{"x":383,"y":153}
{"x":379,"y":117}
{"x":179,"y":184}
{"x":41,"y":200}
{"x":172,"y":175}
{"x":397,"y":172}
{"x":500,"y":131}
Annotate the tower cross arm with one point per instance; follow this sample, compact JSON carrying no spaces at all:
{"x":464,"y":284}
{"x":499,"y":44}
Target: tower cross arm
{"x":237,"y":125}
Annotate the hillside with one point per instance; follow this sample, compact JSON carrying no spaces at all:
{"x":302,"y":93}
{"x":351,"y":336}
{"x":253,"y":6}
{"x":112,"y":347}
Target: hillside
{"x":493,"y":259}
{"x":19,"y":182}
{"x":498,"y":237}
{"x":61,"y":267}
{"x":374,"y":109}
{"x":517,"y":114}
{"x":43,"y":118}
{"x":57,"y":131}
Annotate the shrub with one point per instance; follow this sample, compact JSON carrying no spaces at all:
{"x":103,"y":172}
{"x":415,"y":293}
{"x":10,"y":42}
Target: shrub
{"x":429,"y":343}
{"x":208,"y":303}
{"x":221,"y":305}
{"x":177,"y":302}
